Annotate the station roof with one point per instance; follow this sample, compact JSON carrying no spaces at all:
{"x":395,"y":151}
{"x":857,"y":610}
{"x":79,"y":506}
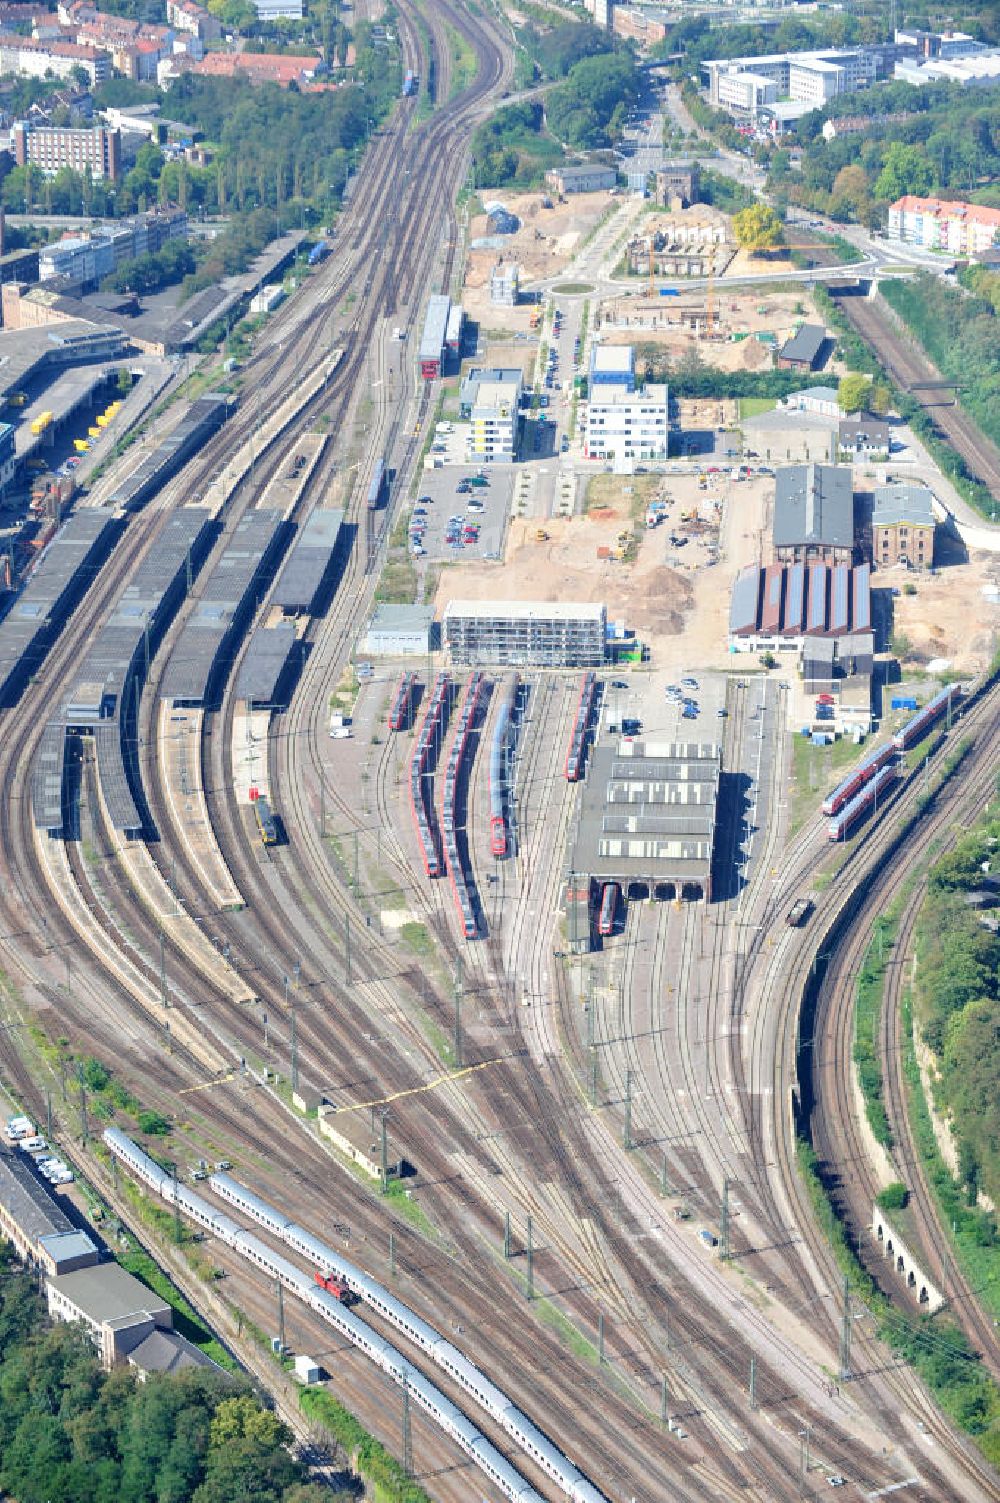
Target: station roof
{"x":226,"y":587}
{"x":309,"y":558}
{"x":55,"y":574}
{"x":814,"y":503}
{"x":266,"y":656}
{"x":105,"y":666}
{"x":47,"y":778}
{"x":201,"y":418}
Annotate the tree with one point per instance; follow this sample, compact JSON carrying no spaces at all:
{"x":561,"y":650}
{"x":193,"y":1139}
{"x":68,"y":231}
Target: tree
{"x":905,"y":170}
{"x":853,"y":392}
{"x":879,"y":400}
{"x":757,"y":227}
{"x":850,"y":194}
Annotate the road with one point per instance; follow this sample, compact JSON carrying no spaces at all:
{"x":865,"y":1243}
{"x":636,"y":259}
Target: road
{"x":479,"y":1052}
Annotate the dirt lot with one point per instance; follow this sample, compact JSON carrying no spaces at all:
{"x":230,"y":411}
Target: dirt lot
{"x":542,"y":247}
{"x":949,"y":616}
{"x":663,"y":322}
{"x":674,"y":598}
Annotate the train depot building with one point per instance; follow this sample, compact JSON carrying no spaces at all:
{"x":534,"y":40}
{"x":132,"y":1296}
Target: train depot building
{"x":648,"y":816}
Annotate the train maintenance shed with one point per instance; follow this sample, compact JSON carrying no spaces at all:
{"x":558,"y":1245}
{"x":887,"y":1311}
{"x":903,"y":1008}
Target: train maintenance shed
{"x":648,"y":816}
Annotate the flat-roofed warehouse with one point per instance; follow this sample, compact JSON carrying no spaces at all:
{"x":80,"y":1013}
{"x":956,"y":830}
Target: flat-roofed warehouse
{"x":648,"y":816}
{"x":525,"y":633}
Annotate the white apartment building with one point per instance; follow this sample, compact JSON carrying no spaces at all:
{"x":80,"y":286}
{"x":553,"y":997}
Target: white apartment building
{"x":627,"y":427}
{"x":494,"y":419}
{"x":957,"y":228}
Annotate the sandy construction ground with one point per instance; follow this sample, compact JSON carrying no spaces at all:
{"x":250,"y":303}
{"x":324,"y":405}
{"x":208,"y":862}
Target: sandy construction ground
{"x":675,"y":599}
{"x":545,"y":244}
{"x":949,"y":616}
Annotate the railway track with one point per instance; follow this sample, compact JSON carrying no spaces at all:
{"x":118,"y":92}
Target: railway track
{"x":909,"y":367}
{"x":787,"y":976}
{"x":833,"y":1124}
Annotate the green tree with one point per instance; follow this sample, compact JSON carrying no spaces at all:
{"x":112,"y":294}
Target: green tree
{"x":905,"y":170}
{"x":243,"y":1418}
{"x":757,"y":228}
{"x":853,"y":392}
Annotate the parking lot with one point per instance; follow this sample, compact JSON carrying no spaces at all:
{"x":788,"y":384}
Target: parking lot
{"x":684,"y":707}
{"x":456,"y":517}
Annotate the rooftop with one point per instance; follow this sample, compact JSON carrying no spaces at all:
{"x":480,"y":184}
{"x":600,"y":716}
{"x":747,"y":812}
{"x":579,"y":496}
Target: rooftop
{"x":30,"y":1203}
{"x":308,"y":560}
{"x":435,"y":327}
{"x":167,"y":1352}
{"x":264,"y":662}
{"x":524,"y":610}
{"x":653,"y":394}
{"x":911,"y":504}
{"x":806,"y":344}
{"x":781,"y":419}
{"x":614,"y":358}
{"x":814,"y":503}
{"x":402,"y":618}
{"x":106,"y":1294}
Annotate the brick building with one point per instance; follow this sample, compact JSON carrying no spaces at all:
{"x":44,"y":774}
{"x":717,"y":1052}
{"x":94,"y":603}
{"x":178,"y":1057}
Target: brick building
{"x":903,"y":526}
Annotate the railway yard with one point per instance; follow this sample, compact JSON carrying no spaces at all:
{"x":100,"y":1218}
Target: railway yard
{"x":473,"y":978}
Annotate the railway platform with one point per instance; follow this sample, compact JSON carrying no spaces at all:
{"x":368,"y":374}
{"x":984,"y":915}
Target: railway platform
{"x":179,"y":741}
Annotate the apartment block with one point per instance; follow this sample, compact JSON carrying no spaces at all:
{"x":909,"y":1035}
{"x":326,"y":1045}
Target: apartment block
{"x":959,"y":228}
{"x":627,"y":426}
{"x":525,"y":633}
{"x":51,"y":148}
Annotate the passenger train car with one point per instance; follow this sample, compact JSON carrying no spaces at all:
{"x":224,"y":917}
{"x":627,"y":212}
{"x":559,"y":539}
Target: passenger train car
{"x":443,"y":1353}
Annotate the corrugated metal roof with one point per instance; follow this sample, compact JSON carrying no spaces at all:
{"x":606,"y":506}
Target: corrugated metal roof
{"x":816,"y":606}
{"x":435,"y":327}
{"x":862,"y":618}
{"x":774,"y":586}
{"x":795,"y":599}
{"x":744,"y":602}
{"x":840,"y":600}
{"x":814,"y":504}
